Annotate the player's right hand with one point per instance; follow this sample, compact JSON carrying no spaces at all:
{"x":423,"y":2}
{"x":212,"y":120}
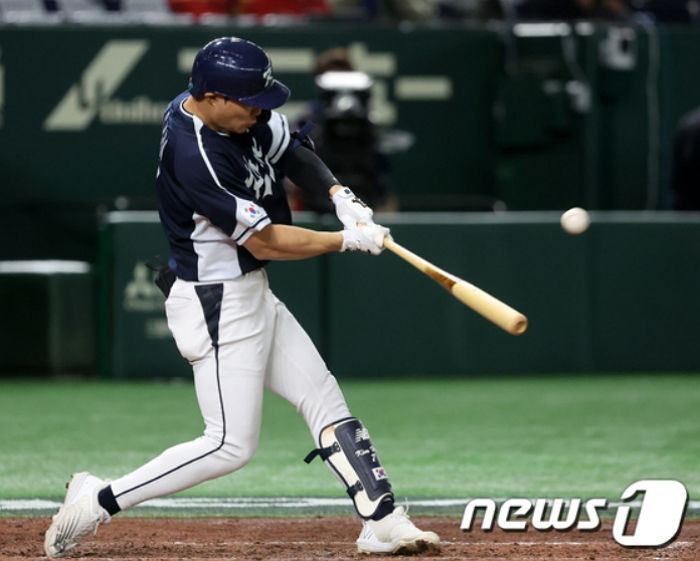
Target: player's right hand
{"x":368,"y":238}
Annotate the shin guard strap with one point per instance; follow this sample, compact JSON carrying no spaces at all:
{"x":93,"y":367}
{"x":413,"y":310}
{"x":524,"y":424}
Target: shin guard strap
{"x":324,"y":453}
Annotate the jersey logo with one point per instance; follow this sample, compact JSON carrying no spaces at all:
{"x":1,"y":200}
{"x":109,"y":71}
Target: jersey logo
{"x":261,"y":174}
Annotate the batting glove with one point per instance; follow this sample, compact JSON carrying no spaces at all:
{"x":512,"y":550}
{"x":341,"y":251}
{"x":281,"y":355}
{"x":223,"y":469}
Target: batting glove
{"x":350,"y":209}
{"x":365,"y":238}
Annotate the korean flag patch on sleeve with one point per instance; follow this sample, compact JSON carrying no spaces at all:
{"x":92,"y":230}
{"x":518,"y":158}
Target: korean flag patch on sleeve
{"x":249,"y":217}
{"x":252,"y":212}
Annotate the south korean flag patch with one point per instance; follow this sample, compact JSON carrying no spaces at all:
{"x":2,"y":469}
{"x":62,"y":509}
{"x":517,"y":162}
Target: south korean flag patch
{"x":379,"y":473}
{"x":252,"y":212}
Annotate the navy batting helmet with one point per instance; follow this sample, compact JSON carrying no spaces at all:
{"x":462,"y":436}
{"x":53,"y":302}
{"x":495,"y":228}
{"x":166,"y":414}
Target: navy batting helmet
{"x":239,"y":70}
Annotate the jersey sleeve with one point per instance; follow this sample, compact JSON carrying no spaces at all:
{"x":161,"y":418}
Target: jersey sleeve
{"x":274,"y":136}
{"x":217,"y":192}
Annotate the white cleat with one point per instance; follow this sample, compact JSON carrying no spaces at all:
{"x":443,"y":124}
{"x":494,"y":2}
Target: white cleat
{"x":395,"y":534}
{"x":79,"y":516}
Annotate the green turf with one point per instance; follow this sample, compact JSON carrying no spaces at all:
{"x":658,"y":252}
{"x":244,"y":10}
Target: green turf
{"x":554,"y":436}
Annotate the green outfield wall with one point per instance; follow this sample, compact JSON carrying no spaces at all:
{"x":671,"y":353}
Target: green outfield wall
{"x":621,"y":297}
{"x":528,"y":117}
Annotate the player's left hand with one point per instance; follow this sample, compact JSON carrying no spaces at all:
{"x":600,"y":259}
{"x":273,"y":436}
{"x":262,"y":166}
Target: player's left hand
{"x":350,"y":209}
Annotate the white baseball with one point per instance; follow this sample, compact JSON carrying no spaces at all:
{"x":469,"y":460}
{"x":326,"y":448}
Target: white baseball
{"x":575,"y":221}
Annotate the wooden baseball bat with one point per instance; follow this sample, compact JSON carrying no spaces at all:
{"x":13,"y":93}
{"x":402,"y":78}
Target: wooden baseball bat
{"x":481,"y":302}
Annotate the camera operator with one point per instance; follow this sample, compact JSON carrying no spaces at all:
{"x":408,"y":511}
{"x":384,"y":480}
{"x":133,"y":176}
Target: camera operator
{"x":345,"y":136}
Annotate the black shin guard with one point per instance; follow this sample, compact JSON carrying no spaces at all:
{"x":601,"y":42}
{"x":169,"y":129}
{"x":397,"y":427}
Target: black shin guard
{"x":347,"y":449}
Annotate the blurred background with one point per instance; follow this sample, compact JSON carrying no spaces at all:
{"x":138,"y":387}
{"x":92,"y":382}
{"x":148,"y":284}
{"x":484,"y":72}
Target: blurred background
{"x":470,"y":125}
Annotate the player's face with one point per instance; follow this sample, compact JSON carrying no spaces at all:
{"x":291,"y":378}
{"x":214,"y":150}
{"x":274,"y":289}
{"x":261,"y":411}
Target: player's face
{"x":232,"y":116}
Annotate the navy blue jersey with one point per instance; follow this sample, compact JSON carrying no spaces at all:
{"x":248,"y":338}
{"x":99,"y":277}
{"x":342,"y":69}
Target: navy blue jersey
{"x":216,"y":189}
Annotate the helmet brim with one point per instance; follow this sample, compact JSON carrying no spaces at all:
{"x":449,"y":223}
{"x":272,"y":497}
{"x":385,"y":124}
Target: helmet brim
{"x":270,"y":98}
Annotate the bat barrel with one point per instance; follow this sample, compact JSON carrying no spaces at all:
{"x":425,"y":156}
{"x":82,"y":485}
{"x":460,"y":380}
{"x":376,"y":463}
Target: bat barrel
{"x":500,"y":313}
{"x":490,"y":307}
{"x":518,"y":326}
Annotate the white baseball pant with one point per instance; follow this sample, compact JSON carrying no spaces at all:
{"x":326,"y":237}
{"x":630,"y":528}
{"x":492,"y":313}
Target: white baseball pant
{"x":239,"y":339}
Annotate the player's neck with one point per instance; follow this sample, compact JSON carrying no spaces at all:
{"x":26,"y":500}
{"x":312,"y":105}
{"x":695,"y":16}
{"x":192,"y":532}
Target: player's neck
{"x":201,"y":110}
{"x":192,"y":106}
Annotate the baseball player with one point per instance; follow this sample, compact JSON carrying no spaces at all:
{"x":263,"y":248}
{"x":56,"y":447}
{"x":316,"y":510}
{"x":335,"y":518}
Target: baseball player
{"x":223,"y":154}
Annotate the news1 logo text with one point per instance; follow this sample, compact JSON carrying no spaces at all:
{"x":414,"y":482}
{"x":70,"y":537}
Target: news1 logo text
{"x":657,"y":523}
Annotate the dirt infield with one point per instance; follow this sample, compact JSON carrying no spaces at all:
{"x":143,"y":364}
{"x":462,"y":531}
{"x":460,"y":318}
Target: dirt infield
{"x":331,"y":538}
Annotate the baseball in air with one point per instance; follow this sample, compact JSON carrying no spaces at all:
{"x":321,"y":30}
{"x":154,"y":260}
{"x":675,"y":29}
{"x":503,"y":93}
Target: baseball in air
{"x":575,"y":221}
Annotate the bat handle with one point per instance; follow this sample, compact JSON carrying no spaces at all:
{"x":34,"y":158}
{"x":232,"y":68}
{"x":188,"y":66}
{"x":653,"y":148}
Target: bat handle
{"x":415,"y":260}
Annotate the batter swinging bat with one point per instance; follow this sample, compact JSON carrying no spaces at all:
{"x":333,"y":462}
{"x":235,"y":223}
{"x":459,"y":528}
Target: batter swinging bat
{"x":481,"y":302}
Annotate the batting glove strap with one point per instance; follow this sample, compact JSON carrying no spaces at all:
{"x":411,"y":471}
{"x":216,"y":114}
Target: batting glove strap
{"x":351,"y":210}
